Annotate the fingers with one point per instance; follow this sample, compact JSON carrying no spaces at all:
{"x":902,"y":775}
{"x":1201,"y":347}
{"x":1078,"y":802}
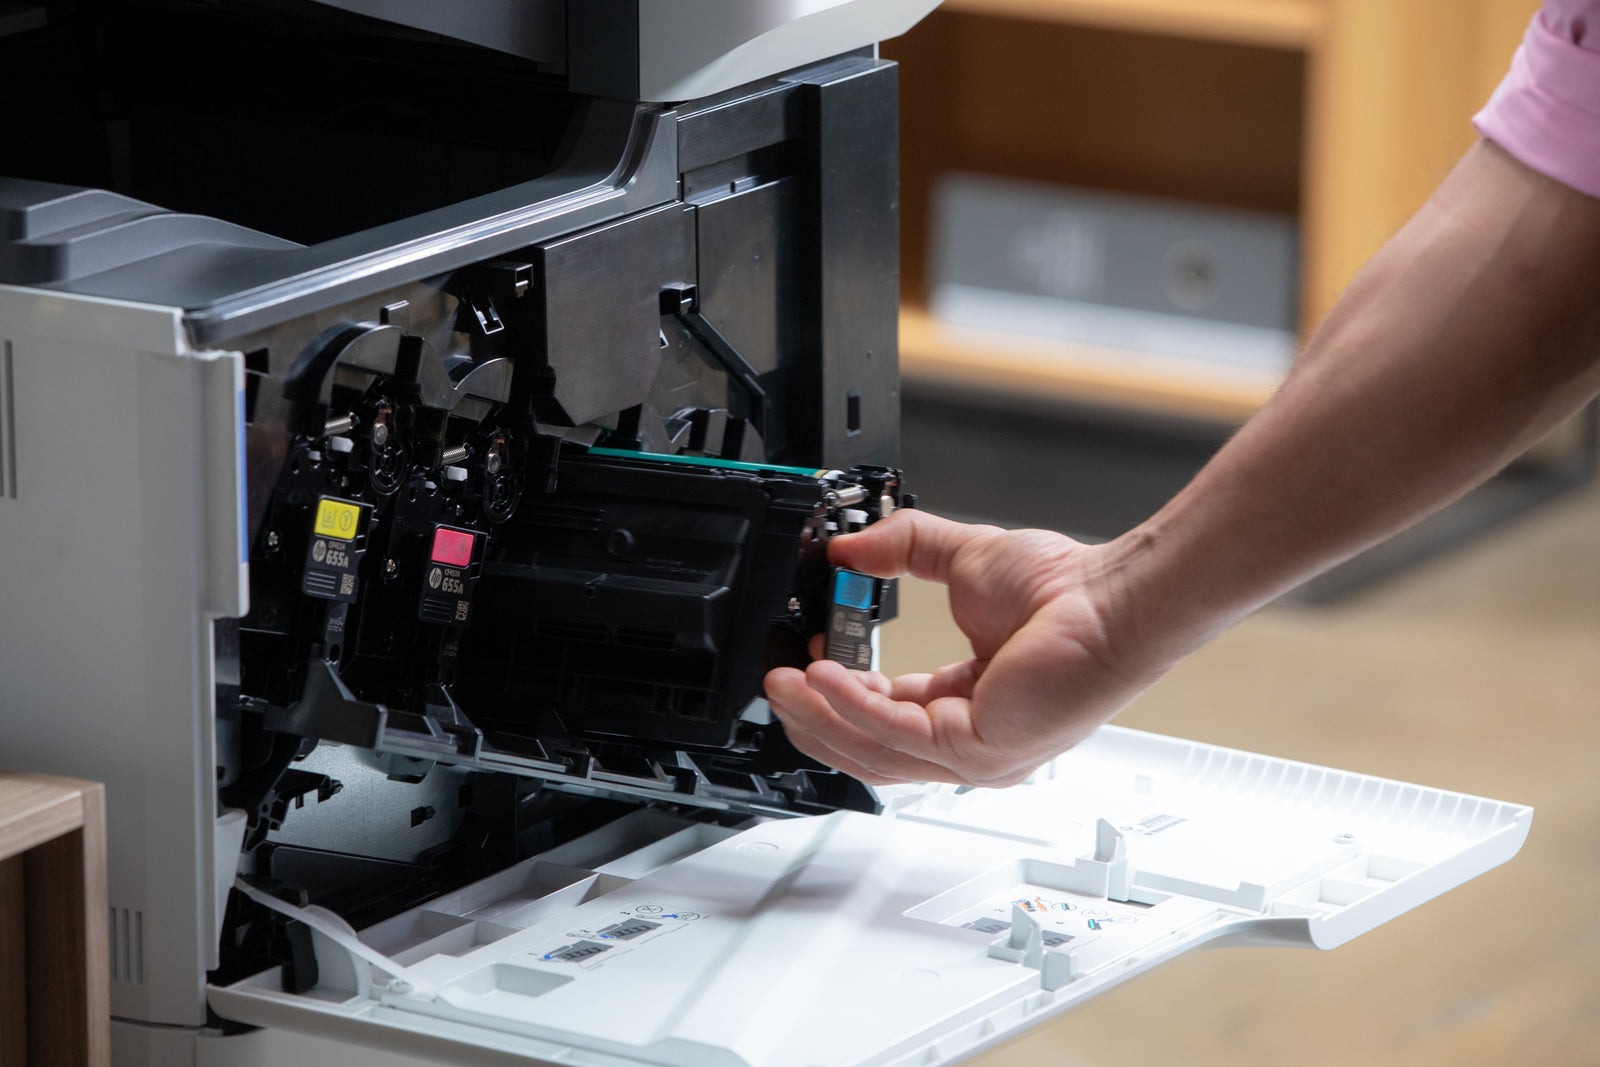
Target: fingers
{"x":818,"y":646}
{"x":901,"y":726}
{"x":817,"y":730}
{"x":874,"y":680}
{"x":823,"y":754}
{"x":820,"y":752}
{"x":1059,"y":691}
{"x":847,"y":720}
{"x":928,"y":718}
{"x":814,"y":728}
{"x":957,"y":679}
{"x":908,"y":542}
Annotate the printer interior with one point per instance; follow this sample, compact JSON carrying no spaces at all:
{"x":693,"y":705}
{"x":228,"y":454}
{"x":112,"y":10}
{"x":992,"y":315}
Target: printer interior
{"x":530,"y":515}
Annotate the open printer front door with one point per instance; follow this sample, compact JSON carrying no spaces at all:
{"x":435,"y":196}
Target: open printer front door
{"x":953,"y":921}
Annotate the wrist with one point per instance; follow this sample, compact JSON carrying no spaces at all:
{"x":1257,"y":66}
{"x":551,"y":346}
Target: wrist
{"x":1158,"y":605}
{"x":1140,"y":639}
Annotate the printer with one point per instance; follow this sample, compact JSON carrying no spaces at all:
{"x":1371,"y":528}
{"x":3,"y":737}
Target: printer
{"x":421,"y":427}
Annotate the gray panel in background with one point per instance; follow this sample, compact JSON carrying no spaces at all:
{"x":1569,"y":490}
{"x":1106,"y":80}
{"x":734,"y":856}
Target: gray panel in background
{"x":1129,"y":252}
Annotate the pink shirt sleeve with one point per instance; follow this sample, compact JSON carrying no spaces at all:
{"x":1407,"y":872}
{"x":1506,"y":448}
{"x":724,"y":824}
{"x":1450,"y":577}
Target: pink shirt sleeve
{"x":1546,"y":112}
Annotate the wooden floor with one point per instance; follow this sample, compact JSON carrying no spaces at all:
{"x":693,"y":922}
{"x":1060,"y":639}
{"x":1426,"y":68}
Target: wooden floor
{"x":1478,"y":673}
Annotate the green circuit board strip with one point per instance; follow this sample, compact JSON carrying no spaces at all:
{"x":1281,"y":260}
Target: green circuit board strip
{"x":707,"y":461}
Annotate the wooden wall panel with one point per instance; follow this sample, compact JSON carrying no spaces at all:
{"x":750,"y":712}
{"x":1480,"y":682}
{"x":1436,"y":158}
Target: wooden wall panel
{"x":1196,"y":120}
{"x":1393,"y":88}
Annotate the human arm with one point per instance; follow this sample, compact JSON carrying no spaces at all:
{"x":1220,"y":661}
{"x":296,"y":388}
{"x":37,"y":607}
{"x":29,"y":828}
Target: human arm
{"x":1472,"y":333}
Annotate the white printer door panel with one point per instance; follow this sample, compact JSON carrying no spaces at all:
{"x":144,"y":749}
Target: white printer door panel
{"x":953,"y":921}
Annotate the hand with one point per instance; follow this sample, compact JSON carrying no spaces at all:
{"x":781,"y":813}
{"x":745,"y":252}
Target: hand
{"x":1038,"y":610}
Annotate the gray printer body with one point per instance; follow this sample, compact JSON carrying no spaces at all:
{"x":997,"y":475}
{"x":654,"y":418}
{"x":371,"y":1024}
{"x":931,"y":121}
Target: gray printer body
{"x":224,"y":204}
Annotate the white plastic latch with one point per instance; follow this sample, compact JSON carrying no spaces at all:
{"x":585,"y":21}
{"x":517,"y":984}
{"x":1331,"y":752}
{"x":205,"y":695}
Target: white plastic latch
{"x":1102,"y":873}
{"x":1063,"y":964}
{"x":1023,"y":943}
{"x":1111,"y":851}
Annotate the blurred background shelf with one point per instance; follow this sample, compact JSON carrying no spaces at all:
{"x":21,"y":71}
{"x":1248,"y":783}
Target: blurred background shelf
{"x":1343,"y":114}
{"x":932,"y":352}
{"x":1272,"y":23}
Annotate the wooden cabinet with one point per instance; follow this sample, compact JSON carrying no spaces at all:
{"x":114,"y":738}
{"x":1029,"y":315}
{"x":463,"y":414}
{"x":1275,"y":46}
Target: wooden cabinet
{"x":1344,"y":113}
{"x":55,"y":1007}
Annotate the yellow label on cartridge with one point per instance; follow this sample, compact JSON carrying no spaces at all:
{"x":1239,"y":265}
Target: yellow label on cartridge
{"x":335,"y":518}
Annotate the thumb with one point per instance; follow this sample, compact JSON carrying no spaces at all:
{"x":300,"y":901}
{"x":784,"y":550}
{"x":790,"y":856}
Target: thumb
{"x":907,"y":542}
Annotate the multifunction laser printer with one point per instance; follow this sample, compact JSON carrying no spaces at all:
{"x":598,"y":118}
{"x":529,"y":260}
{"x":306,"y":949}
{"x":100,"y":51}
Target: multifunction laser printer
{"x":421,"y":427}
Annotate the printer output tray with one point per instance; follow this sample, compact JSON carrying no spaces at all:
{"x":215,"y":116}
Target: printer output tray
{"x":953,"y":921}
